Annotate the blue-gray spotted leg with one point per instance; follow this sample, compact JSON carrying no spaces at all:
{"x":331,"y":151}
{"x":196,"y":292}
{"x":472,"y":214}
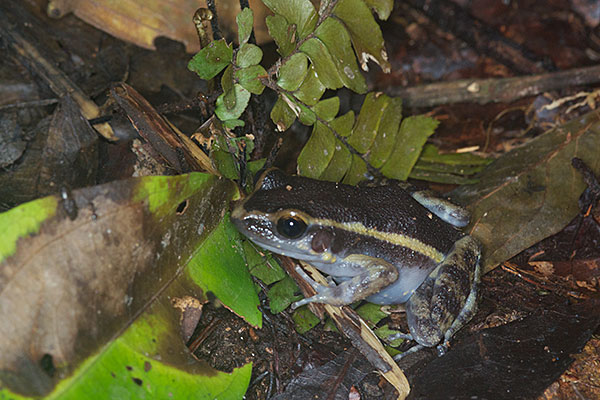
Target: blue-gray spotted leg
{"x":446,"y":300}
{"x":376,"y":275}
{"x":469,"y":309}
{"x":413,"y":349}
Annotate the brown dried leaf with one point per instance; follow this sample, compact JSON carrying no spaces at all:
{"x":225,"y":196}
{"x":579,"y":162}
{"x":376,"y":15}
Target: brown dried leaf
{"x":531,"y":192}
{"x":141,"y":22}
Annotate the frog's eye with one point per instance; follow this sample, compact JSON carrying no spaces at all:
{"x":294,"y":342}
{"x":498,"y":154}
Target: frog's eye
{"x":291,"y":226}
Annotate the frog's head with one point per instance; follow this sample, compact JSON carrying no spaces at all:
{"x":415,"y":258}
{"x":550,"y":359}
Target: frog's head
{"x":276,"y":218}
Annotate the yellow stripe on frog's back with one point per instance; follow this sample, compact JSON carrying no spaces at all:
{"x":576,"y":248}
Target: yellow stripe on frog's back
{"x":390,"y":237}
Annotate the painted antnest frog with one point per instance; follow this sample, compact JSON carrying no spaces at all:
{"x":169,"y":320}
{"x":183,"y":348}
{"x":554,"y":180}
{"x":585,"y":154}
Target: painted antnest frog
{"x":383,"y":244}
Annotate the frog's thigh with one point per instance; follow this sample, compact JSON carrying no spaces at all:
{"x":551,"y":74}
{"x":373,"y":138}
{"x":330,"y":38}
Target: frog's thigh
{"x":376,"y":274}
{"x":445,"y":301}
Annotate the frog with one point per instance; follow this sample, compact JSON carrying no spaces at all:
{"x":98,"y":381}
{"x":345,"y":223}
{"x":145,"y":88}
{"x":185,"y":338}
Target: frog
{"x":386,"y":244}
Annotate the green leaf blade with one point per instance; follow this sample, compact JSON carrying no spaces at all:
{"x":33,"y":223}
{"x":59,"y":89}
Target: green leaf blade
{"x":341,"y":160}
{"x":339,"y":165}
{"x":327,"y":109}
{"x":322,"y":61}
{"x":293,"y":72}
{"x":317,"y":153}
{"x":383,"y":8}
{"x":282,"y":115}
{"x":367,"y":123}
{"x":23,"y":221}
{"x":242,"y":97}
{"x":282,"y":33}
{"x":249,"y":78}
{"x":227,"y":85}
{"x":337,"y":40}
{"x":244,"y":20}
{"x":311,"y":89}
{"x":233,"y":286}
{"x":365,"y":32}
{"x":248,"y":55}
{"x":212,"y":59}
{"x":386,"y":133}
{"x":282,"y":294}
{"x":411,"y":137}
{"x":298,"y":12}
{"x":357,"y":171}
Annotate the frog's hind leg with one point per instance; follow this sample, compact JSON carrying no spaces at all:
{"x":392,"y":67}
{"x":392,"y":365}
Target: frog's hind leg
{"x":446,"y":300}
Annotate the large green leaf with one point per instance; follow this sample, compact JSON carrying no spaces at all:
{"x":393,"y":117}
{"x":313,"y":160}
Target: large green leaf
{"x":111,"y":259}
{"x":212,"y":59}
{"x":232,"y":285}
{"x":22,"y":222}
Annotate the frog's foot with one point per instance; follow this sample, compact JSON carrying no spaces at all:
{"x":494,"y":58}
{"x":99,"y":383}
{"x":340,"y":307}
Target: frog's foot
{"x":442,"y":348}
{"x":323,"y":292}
{"x":446,"y":300}
{"x":399,"y":335}
{"x":376,"y":274}
{"x":413,"y":349}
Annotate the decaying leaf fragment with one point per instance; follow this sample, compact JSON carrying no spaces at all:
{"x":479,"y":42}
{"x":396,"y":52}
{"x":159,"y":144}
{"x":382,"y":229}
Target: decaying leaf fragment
{"x":531,"y":192}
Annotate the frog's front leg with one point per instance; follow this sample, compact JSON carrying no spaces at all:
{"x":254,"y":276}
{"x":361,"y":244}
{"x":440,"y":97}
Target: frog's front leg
{"x":446,"y":300}
{"x":376,"y":274}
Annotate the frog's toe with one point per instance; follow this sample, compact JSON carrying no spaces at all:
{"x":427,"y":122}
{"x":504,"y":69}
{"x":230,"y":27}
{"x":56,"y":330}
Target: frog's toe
{"x":442,"y":348}
{"x":413,"y":349}
{"x":317,"y":286}
{"x":399,"y":335}
{"x":324,"y":295}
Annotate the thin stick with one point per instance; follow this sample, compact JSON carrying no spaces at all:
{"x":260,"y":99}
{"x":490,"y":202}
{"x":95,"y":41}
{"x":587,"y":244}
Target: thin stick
{"x":503,"y":90}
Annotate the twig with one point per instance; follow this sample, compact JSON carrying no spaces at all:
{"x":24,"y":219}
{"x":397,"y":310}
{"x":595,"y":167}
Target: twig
{"x":214,"y":22}
{"x":29,"y":104}
{"x":494,"y":90}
